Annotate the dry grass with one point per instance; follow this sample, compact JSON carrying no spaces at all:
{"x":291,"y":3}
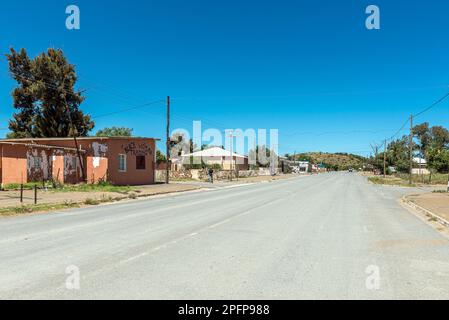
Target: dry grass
{"x":45,"y":207}
{"x":10,"y":211}
{"x":435,"y":178}
{"x":402,"y":179}
{"x":390,"y":181}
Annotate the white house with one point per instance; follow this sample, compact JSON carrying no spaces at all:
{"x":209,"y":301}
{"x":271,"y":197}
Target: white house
{"x":305,"y":167}
{"x":421,"y":166}
{"x":217,"y":156}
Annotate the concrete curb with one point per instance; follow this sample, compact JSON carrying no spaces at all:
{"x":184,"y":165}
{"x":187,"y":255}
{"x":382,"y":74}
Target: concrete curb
{"x":114,"y":201}
{"x":149,"y":195}
{"x":425,"y":211}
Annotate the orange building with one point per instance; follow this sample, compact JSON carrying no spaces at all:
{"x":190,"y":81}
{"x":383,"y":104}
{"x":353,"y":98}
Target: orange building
{"x":121,"y":161}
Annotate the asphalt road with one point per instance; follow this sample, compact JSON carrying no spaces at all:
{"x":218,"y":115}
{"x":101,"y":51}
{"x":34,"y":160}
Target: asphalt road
{"x":331,"y":236}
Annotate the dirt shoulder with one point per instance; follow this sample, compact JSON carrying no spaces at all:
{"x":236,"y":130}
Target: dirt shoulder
{"x":241,"y":181}
{"x":437,"y":203}
{"x":267,"y":178}
{"x":400,"y":181}
{"x":244,"y":180}
{"x":50,"y":200}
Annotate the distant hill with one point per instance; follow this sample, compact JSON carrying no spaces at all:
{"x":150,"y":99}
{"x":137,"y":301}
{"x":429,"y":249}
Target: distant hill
{"x":336,"y":161}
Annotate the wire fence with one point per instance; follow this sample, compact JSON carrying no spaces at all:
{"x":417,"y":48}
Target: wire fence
{"x":23,"y":194}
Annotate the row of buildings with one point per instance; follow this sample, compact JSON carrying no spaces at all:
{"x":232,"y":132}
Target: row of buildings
{"x":121,"y":161}
{"x":214,"y":156}
{"x":300,"y":167}
{"x":118,"y":160}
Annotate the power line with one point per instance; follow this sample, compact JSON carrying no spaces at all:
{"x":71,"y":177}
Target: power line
{"x":411,"y":134}
{"x":47,"y":84}
{"x":313,"y":94}
{"x":332,"y":132}
{"x":400,"y":130}
{"x":432,"y":105}
{"x":128,"y":109}
{"x":113,"y":91}
{"x":54,"y":87}
{"x":224,"y":127}
{"x":416,"y":115}
{"x":31,"y":78}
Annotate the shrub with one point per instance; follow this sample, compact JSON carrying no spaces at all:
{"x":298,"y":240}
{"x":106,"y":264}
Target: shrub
{"x":16,"y":186}
{"x":91,"y":202}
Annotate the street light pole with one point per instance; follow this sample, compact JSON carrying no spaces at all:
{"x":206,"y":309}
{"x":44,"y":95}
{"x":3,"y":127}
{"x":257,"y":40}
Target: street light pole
{"x":385,"y":159}
{"x":167,"y":169}
{"x":74,"y":133}
{"x":411,"y":150}
{"x":231,"y":135}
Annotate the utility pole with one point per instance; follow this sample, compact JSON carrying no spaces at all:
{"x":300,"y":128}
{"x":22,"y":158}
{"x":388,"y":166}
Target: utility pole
{"x":78,"y":152}
{"x":294,"y":160}
{"x":376,"y":158}
{"x":411,"y":149}
{"x":448,"y":184}
{"x":167,"y":169}
{"x":231,"y":135}
{"x":385,"y":159}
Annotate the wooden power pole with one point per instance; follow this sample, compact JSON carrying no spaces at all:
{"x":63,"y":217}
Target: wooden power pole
{"x":167,"y":170}
{"x":74,"y":132}
{"x":231,"y":136}
{"x":385,"y":159}
{"x":411,"y":150}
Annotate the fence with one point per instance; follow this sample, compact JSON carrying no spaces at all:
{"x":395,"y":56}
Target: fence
{"x":219,"y":175}
{"x":21,"y":195}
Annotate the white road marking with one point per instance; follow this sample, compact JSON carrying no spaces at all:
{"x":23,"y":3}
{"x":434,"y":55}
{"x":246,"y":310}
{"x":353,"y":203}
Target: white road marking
{"x":136,"y":257}
{"x":219,"y":224}
{"x":197,"y":233}
{"x":238,"y":186}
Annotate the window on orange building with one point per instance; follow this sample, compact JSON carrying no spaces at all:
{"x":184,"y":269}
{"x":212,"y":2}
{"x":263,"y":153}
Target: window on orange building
{"x":122,"y":162}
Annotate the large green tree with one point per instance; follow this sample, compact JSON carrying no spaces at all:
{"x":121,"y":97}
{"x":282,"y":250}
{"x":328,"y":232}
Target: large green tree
{"x":46,"y":103}
{"x":440,"y":137}
{"x":398,"y":154}
{"x":263,"y":156}
{"x":22,"y":124}
{"x":115,"y":132}
{"x":438,"y":160}
{"x":424,"y":135}
{"x":432,"y":143}
{"x":160,"y":157}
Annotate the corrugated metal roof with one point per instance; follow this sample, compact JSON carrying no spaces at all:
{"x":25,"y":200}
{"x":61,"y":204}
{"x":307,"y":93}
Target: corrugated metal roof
{"x":214,"y":152}
{"x":78,"y":138}
{"x":41,"y":146}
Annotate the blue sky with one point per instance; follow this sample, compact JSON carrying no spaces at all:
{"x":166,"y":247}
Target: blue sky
{"x":308,"y":68}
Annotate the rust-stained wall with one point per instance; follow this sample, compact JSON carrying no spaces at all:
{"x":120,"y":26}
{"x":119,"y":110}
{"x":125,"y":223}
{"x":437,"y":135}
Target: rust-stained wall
{"x":42,"y":168}
{"x":72,"y":168}
{"x":97,"y":162}
{"x":100,"y":161}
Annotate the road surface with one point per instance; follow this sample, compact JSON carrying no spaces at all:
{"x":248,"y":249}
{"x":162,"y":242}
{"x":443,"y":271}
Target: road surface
{"x":330,"y":236}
